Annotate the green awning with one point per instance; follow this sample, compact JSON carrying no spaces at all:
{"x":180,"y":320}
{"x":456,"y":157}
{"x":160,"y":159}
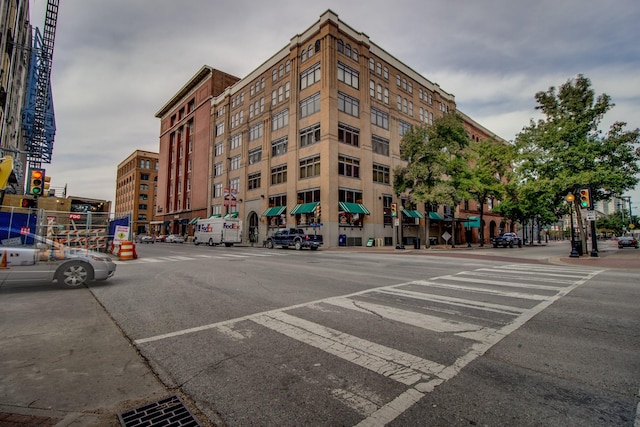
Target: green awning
{"x":194,"y":220}
{"x":215,"y":216}
{"x":231,"y":215}
{"x":412,"y":214}
{"x":275,"y":211}
{"x":474,"y":222}
{"x":304,"y":208}
{"x":354,"y":208}
{"x":435,"y":216}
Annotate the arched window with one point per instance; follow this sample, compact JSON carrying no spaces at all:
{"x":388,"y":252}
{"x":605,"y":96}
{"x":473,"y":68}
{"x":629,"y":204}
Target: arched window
{"x":340,"y":45}
{"x":347,"y":50}
{"x":310,"y":51}
{"x":287,"y":66}
{"x":281,"y":70}
{"x":317,"y":46}
{"x":274,"y":75}
{"x":303,"y":55}
{"x":355,"y":54}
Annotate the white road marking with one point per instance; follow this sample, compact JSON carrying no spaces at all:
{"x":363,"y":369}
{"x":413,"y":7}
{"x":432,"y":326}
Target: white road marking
{"x":509,"y":284}
{"x":397,"y":365}
{"x":479,"y":290}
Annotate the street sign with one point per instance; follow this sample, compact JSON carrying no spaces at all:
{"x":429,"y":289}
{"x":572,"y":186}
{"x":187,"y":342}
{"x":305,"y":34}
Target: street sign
{"x":591,"y":215}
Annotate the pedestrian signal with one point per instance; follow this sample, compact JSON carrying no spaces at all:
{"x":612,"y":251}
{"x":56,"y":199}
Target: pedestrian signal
{"x":29,"y":203}
{"x":585,"y":198}
{"x":35,"y":182}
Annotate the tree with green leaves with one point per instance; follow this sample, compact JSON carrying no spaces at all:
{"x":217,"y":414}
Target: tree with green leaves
{"x":437,"y":163}
{"x":490,"y":164}
{"x":567,"y":151}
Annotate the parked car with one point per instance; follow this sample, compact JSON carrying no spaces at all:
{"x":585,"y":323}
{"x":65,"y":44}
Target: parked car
{"x":161,"y":238}
{"x":295,"y":237}
{"x":507,"y":240}
{"x":627,"y":242}
{"x":174,"y":238}
{"x":148,"y":239}
{"x":52,"y":262}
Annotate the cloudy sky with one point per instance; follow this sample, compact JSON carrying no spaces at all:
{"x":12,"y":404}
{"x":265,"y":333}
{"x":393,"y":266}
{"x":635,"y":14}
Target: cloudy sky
{"x":117,"y":62}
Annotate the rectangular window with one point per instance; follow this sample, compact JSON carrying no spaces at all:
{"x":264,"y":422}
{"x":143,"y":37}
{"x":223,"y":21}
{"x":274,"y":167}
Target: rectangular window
{"x":236,"y":141}
{"x":279,"y":175}
{"x":219,"y":149}
{"x":381,"y":174}
{"x":253,"y":181}
{"x":217,"y":190}
{"x":310,"y":76}
{"x":348,"y":75}
{"x":380,"y":118}
{"x":255,"y":132}
{"x":144,"y":177}
{"x":310,"y":105}
{"x":234,"y":184}
{"x":279,"y":146}
{"x":386,"y":206}
{"x":403,"y":127}
{"x":235,"y":163}
{"x":380,"y":145}
{"x":348,"y":104}
{"x":310,"y":167}
{"x":219,"y":129}
{"x":255,"y":155}
{"x":309,"y":196}
{"x":348,"y":135}
{"x":217,"y":169}
{"x":310,"y":135}
{"x":348,"y":166}
{"x":280,"y":120}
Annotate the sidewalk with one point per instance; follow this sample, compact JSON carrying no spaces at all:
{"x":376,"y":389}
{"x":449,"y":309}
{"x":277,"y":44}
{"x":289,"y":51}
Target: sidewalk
{"x":78,"y":369}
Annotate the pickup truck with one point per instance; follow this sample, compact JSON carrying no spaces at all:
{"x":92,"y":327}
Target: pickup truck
{"x":507,"y":240}
{"x":295,"y":237}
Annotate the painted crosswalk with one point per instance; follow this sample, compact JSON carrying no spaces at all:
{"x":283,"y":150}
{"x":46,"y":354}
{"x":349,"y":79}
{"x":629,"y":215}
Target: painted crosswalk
{"x":477,"y":307}
{"x":219,"y":256}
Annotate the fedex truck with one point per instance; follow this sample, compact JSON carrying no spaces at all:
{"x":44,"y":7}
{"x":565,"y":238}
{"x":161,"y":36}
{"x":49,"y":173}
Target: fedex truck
{"x":218,"y":231}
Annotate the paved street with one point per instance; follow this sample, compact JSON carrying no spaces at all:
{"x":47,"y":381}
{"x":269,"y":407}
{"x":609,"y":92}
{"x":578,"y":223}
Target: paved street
{"x":253,"y":336}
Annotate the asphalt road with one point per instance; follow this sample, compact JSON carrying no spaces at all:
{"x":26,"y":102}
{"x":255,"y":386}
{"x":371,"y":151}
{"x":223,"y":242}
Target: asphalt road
{"x":280,"y":337}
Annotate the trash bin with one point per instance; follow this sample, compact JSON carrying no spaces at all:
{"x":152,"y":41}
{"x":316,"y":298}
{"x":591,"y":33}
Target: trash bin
{"x":342,"y":240}
{"x":577,"y":245}
{"x":416,"y":243}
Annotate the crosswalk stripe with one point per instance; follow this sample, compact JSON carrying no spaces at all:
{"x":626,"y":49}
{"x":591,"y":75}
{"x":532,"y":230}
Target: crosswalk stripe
{"x":397,"y":365}
{"x":424,"y":321}
{"x":480,"y":290}
{"x":528,"y":276}
{"x":509,"y":284}
{"x":460,"y":302}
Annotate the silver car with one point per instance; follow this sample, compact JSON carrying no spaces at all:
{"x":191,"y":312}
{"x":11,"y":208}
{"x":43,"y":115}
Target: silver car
{"x":68,"y":267}
{"x":174,"y":238}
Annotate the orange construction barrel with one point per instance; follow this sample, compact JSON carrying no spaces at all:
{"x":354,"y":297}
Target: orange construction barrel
{"x":126,"y":250}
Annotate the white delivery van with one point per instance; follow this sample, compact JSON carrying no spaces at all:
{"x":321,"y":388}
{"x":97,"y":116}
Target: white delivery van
{"x":218,"y":231}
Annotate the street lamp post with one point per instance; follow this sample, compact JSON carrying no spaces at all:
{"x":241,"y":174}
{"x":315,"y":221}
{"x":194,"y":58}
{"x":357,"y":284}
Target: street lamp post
{"x":570,"y":198}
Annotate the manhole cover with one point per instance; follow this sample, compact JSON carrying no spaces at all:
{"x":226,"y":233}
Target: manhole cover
{"x":169,"y":412}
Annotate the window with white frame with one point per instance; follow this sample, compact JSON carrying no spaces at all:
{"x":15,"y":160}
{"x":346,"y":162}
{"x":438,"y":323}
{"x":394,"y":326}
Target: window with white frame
{"x":280,"y":120}
{"x":235,"y":163}
{"x":310,"y":105}
{"x":310,"y":76}
{"x":255,"y":131}
{"x":219,"y":148}
{"x":218,"y":169}
{"x":236,"y":141}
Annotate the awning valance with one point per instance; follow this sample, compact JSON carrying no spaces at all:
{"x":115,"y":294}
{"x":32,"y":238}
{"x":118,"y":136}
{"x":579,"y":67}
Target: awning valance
{"x":274,"y":211}
{"x":474,"y":222}
{"x":304,"y":208}
{"x":412,"y":214}
{"x":435,"y":216}
{"x":194,"y":220}
{"x":354,"y":208}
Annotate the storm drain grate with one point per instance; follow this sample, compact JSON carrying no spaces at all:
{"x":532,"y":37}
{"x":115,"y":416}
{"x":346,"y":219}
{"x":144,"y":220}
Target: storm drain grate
{"x":169,"y":412}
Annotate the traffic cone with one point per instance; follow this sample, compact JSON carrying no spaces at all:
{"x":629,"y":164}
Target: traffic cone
{"x":3,"y":262}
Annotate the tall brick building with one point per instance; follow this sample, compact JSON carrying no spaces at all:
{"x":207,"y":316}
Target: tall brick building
{"x":318,"y":124}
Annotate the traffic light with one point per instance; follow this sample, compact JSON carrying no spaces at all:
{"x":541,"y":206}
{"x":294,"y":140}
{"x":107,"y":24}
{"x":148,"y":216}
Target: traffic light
{"x":29,"y":203}
{"x":318,"y":211}
{"x":35,"y":182}
{"x":585,"y":198}
{"x":47,"y":185}
{"x":394,"y":209}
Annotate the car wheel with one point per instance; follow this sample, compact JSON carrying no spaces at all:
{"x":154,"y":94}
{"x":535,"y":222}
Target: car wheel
{"x":298,"y":245}
{"x":270,"y":244}
{"x":195,"y":241}
{"x":210,"y":241}
{"x":74,"y":274}
{"x":510,"y":244}
{"x":495,"y":245}
{"x":314,"y":248}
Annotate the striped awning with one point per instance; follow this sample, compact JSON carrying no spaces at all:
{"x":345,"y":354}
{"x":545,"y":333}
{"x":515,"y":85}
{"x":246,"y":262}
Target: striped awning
{"x":412,"y":214}
{"x":435,"y":216}
{"x":231,"y":215}
{"x":274,"y":211}
{"x":194,"y":220}
{"x":304,"y":208}
{"x":354,"y":208}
